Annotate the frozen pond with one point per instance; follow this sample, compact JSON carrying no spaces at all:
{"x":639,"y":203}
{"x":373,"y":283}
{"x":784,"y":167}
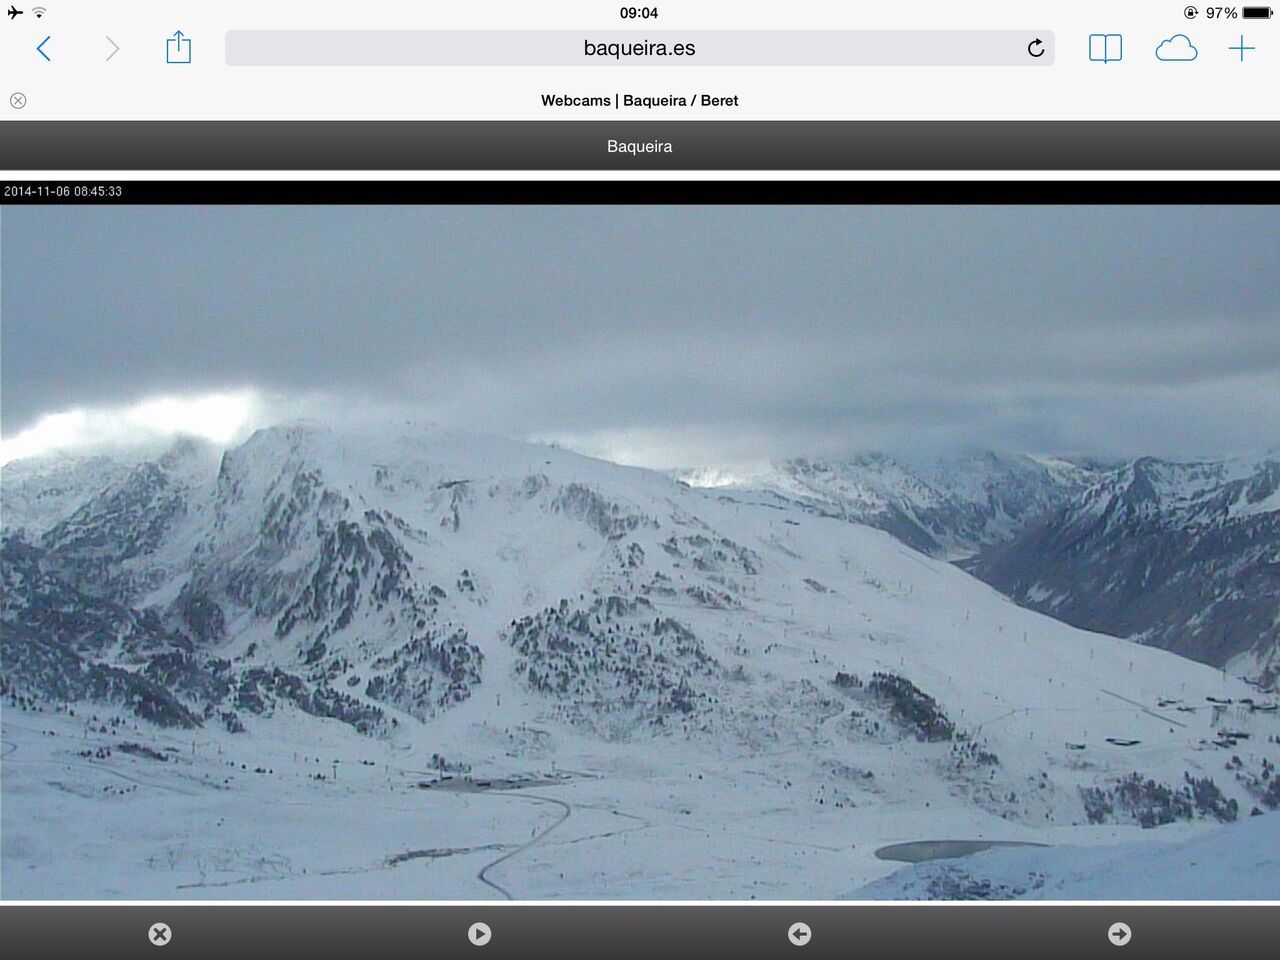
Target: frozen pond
{"x":920,"y":851}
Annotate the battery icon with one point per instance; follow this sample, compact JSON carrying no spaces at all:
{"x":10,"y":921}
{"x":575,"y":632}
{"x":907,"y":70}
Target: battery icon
{"x":1257,"y":13}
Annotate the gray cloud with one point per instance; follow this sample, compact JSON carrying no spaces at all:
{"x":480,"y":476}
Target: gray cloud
{"x":682,"y":334}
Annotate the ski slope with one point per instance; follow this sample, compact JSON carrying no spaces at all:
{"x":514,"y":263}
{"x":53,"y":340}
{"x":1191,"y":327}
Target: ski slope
{"x":776,"y":782}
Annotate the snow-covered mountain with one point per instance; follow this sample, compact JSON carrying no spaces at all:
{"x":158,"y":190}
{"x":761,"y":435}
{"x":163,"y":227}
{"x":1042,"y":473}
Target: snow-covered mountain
{"x":1183,"y":556}
{"x":1179,"y":555}
{"x":946,"y":507}
{"x":763,"y":690}
{"x":39,"y":492}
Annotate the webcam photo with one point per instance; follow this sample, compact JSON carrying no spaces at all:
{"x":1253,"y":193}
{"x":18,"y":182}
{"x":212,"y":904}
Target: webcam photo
{"x":625,"y":552}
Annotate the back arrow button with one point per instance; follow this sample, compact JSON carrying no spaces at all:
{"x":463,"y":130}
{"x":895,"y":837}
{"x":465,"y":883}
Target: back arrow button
{"x":115,"y":48}
{"x":40,"y":49}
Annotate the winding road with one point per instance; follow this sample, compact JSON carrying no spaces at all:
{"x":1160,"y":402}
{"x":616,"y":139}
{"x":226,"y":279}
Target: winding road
{"x":566,"y":812}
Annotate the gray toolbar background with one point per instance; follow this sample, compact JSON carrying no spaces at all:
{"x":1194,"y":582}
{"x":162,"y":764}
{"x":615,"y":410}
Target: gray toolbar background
{"x":899,"y":931}
{"x":696,"y":145}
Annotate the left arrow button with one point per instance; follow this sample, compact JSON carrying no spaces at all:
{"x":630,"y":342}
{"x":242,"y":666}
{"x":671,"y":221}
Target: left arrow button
{"x":40,"y":49}
{"x":115,"y":48}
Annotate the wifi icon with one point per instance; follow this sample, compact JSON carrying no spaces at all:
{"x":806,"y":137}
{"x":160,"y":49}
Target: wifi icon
{"x":39,"y":12}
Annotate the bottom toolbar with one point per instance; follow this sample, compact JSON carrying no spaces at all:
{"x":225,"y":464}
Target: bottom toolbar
{"x":899,"y":930}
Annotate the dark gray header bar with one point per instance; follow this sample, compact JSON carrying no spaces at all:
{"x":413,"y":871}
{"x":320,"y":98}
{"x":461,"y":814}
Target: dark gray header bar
{"x":485,"y":931}
{"x":640,"y":145}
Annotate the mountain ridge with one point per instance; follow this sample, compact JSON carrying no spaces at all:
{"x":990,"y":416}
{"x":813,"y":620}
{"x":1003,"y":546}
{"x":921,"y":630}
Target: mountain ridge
{"x":1180,"y":555}
{"x":446,"y":619}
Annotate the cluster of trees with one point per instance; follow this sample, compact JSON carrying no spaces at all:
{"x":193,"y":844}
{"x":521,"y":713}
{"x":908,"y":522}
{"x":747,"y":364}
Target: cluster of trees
{"x":713,"y":555}
{"x":609,"y":654}
{"x":911,"y":707}
{"x":1264,"y":785}
{"x":609,"y":519}
{"x":259,"y":689}
{"x":436,"y":668}
{"x":1152,"y":804}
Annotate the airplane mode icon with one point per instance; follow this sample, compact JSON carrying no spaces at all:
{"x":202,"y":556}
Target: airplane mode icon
{"x":14,"y":12}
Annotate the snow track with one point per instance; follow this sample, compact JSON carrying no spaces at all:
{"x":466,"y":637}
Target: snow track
{"x":566,"y":812}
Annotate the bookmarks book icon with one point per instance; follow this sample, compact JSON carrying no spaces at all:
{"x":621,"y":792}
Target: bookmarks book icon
{"x":1106,"y":47}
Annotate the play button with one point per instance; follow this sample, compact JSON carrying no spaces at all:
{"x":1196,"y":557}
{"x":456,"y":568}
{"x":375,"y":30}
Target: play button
{"x":479,"y":934}
{"x":1119,"y":934}
{"x":799,"y":934}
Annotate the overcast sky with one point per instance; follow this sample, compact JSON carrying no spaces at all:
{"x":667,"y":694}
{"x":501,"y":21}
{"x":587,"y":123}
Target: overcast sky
{"x":668,"y":335}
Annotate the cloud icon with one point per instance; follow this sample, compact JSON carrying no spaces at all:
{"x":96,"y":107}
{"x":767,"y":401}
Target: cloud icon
{"x":1177,"y":47}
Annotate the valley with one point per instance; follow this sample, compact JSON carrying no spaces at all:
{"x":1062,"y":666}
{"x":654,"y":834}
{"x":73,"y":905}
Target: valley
{"x":423,"y":664}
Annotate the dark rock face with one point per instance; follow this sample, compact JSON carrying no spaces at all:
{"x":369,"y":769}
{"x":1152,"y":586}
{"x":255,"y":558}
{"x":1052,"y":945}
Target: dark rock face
{"x":201,"y":617}
{"x":58,"y":673}
{"x":67,"y":645}
{"x":271,"y":546}
{"x":1181,"y":556}
{"x":42,"y":600}
{"x":125,"y":521}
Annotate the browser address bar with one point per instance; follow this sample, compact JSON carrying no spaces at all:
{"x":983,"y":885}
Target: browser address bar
{"x":602,"y":48}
